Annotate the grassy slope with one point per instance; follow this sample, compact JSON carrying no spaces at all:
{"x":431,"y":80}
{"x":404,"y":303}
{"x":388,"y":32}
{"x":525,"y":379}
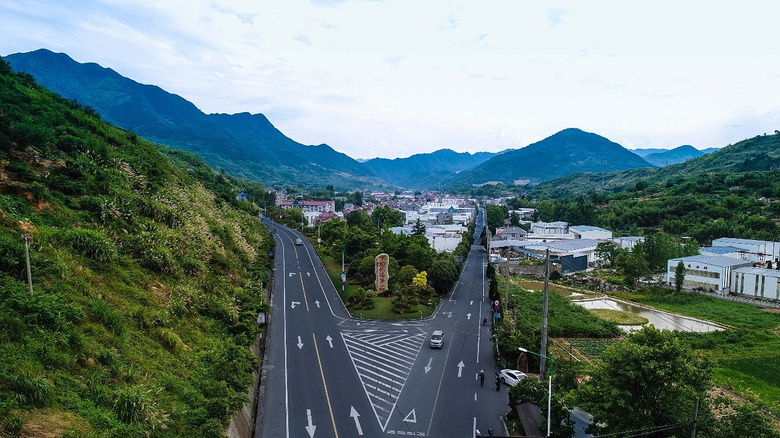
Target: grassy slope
{"x":147,"y":279}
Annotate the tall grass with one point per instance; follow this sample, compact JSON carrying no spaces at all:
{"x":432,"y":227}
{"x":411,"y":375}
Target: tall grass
{"x":28,"y":389}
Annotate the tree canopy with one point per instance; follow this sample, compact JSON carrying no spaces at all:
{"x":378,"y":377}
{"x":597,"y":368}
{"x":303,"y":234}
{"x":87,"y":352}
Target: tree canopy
{"x":649,"y":382}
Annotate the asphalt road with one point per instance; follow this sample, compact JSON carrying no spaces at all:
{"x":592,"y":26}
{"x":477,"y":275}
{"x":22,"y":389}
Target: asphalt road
{"x":328,"y":375}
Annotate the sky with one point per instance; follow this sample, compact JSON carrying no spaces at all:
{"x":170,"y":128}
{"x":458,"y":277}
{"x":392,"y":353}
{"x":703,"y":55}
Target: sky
{"x":393,"y":78}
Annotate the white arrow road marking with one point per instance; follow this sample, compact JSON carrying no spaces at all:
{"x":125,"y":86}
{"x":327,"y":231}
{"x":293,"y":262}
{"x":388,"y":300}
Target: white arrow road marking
{"x":310,"y":428}
{"x":460,"y":368}
{"x":428,"y":367}
{"x":354,"y":414}
{"x":471,"y":303}
{"x":300,"y":346}
{"x":468,"y":316}
{"x":411,"y":417}
{"x":317,"y":303}
{"x":330,"y":341}
{"x":294,"y":303}
{"x":449,"y":314}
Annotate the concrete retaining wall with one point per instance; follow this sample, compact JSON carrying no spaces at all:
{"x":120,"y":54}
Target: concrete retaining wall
{"x":243,"y":423}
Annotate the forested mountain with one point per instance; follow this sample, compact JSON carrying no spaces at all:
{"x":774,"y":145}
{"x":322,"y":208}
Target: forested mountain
{"x":147,"y":278}
{"x":567,"y":152}
{"x":760,"y":153}
{"x":244,"y":145}
{"x":647,"y":151}
{"x":673,"y":156}
{"x":424,"y":171}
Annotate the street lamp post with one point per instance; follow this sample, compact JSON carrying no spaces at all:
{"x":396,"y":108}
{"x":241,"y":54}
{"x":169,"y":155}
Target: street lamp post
{"x":549,"y":384}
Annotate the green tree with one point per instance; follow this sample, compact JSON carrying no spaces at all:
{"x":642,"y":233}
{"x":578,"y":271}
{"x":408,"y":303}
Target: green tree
{"x":406,"y":297}
{"x":679,"y":276}
{"x":444,"y":273}
{"x":633,"y":263}
{"x":359,"y":219}
{"x":743,"y":420}
{"x":650,"y":380}
{"x":607,"y":251}
{"x":544,"y":211}
{"x":495,"y":215}
{"x":356,"y":198}
{"x":419,"y":228}
{"x":514,"y":219}
{"x":531,"y":390}
{"x":406,"y":274}
{"x":386,"y":217}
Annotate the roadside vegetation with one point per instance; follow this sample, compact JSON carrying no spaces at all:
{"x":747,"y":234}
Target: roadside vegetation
{"x":732,"y":372}
{"x":737,"y":366}
{"x":147,"y":274}
{"x":418,"y":275}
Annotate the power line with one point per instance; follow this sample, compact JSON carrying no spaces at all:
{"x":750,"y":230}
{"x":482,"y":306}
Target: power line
{"x":645,"y":431}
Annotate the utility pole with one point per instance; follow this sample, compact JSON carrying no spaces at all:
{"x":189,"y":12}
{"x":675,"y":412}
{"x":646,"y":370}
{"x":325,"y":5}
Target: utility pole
{"x":695,"y":418}
{"x":27,"y":260}
{"x":542,"y":359}
{"x":506,"y":282}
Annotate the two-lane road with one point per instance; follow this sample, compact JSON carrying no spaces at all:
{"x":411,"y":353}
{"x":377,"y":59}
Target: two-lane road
{"x":328,"y":375}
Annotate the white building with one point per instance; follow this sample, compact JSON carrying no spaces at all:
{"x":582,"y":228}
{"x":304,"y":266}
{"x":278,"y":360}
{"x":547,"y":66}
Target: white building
{"x":510,"y":233}
{"x":549,"y":227}
{"x":447,"y":242}
{"x":725,"y":251}
{"x":575,"y":248}
{"x":707,"y":272}
{"x":627,"y":242}
{"x":759,"y":250}
{"x":756,"y":282}
{"x":307,"y":205}
{"x":589,"y":232}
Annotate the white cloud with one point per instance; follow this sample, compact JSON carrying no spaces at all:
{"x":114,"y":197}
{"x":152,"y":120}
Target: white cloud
{"x":401,"y":77}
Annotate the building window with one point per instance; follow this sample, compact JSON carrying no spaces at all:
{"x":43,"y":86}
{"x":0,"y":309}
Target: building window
{"x":702,"y":273}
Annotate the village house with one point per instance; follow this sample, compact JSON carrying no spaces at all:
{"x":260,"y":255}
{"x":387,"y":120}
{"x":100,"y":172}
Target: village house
{"x":308,"y":205}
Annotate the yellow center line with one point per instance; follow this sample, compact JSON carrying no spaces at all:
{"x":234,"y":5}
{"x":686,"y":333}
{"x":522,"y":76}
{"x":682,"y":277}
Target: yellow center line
{"x":327,"y":397}
{"x":305,"y":300}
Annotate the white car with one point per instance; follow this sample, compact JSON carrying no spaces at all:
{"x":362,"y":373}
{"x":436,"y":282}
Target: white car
{"x":298,"y":241}
{"x":511,"y":377}
{"x":437,"y":339}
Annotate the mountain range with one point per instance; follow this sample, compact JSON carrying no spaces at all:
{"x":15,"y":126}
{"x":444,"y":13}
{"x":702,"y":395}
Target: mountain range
{"x":665,"y":157}
{"x":249,"y":146}
{"x":756,"y":154}
{"x":244,"y":145}
{"x":422,"y":171}
{"x":569,"y":151}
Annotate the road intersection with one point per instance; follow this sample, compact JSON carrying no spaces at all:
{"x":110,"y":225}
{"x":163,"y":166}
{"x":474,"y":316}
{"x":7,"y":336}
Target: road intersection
{"x":326,"y":374}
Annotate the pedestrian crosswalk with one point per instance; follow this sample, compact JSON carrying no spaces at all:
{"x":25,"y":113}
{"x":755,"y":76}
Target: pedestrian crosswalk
{"x":383,"y":361}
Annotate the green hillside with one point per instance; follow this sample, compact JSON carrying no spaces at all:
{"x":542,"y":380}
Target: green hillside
{"x":147,"y":278}
{"x":760,"y":153}
{"x":245,"y":145}
{"x":564,"y":153}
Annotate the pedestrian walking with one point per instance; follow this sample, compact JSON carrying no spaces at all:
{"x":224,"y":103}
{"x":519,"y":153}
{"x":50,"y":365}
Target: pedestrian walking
{"x":498,"y":383}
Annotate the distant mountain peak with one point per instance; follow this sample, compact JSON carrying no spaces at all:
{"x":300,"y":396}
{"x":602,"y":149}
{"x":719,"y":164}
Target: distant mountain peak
{"x":568,"y":151}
